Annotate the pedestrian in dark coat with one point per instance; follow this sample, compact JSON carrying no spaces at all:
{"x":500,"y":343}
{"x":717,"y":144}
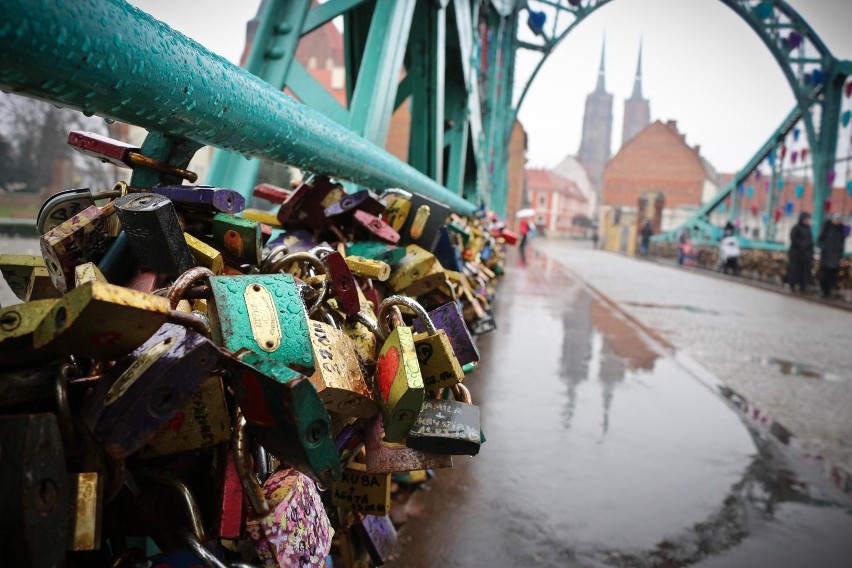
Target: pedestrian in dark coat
{"x":831,"y":241}
{"x":801,"y":253}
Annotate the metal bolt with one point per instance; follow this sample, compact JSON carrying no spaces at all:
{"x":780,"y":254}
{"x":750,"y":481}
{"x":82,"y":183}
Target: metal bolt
{"x":10,"y":321}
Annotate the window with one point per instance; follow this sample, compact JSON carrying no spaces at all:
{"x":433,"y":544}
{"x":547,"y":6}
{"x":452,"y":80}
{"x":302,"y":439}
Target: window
{"x":542,"y":200}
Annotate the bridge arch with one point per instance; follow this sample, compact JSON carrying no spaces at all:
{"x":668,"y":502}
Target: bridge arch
{"x":814,"y":75}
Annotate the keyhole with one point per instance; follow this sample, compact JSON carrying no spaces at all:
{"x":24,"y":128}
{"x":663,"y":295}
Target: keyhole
{"x":10,"y":321}
{"x":60,"y":317}
{"x":46,"y":497}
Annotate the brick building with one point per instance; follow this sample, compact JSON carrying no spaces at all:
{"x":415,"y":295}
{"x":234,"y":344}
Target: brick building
{"x":557,"y":201}
{"x":657,"y":161}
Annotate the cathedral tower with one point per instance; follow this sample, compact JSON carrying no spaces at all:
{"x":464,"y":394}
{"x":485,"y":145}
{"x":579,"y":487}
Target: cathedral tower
{"x":637,"y":110}
{"x":597,"y":128}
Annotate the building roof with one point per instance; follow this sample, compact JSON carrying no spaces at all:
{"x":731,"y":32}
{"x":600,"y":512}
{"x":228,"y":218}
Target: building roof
{"x":573,"y":169}
{"x":550,"y":181}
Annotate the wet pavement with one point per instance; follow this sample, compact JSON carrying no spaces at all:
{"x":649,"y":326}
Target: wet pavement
{"x":605,"y":449}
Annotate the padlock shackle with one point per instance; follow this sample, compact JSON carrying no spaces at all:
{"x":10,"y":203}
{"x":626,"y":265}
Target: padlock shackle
{"x":370,"y":324}
{"x":242,"y":460}
{"x":270,"y":260}
{"x":164,"y":478}
{"x":409,"y":303}
{"x":283,"y":264}
{"x":184,"y":281}
{"x":208,"y":558}
{"x":461,"y":393}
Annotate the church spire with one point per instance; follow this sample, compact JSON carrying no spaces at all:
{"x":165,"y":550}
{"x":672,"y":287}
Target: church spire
{"x":602,"y":71}
{"x":637,"y":83}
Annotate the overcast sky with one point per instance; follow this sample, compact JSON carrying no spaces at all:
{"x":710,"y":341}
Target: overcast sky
{"x":703,"y":67}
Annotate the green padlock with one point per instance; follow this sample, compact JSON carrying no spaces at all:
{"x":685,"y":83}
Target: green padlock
{"x":263,"y":313}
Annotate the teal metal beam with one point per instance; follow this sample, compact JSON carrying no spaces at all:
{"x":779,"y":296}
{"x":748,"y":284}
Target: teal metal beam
{"x":272,"y":52}
{"x":456,"y":137}
{"x":427,"y":72}
{"x":321,"y":14}
{"x":311,"y":92}
{"x":218,"y":105}
{"x":373,"y":100}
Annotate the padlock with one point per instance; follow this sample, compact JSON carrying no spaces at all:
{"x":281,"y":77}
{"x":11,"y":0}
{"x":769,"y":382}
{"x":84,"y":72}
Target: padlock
{"x":271,"y":193}
{"x":85,"y":497}
{"x":17,"y":268}
{"x":448,"y":317}
{"x":144,"y":282}
{"x":27,"y":385}
{"x":378,"y":535}
{"x":360,"y":491}
{"x":263,"y":313}
{"x":82,"y":238}
{"x":338,"y":377}
{"x":284,"y":414}
{"x":101,"y":321}
{"x":204,"y":254}
{"x":61,"y":206}
{"x":423,"y":223}
{"x":121,"y":154}
{"x":308,"y":201}
{"x":363,"y":332}
{"x":368,"y":268}
{"x":374,"y":227}
{"x":417,"y":273}
{"x":484,"y":324}
{"x":389,"y":254}
{"x":202,"y":423}
{"x":239,"y":237}
{"x":40,"y":286}
{"x":447,"y":426}
{"x":202,"y":197}
{"x":34,"y":496}
{"x":151,"y":224}
{"x":289,"y":526}
{"x":262,"y":217}
{"x":438,"y":363}
{"x":18,"y":324}
{"x":400,"y":382}
{"x":363,"y":200}
{"x":447,"y":253}
{"x":230,"y":510}
{"x":145,"y":392}
{"x":88,"y":272}
{"x":342,"y":282}
{"x":388,"y":457}
{"x":397,"y":207}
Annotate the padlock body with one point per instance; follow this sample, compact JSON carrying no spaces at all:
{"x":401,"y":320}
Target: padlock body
{"x":389,"y":457}
{"x":400,"y":383}
{"x":438,"y":364}
{"x":17,"y":268}
{"x":263,"y":313}
{"x":338,"y":377}
{"x":446,"y":427}
{"x":239,"y":237}
{"x":359,"y":491}
{"x":82,"y":238}
{"x":389,"y":254}
{"x":101,"y":321}
{"x":448,"y":317}
{"x":18,"y":324}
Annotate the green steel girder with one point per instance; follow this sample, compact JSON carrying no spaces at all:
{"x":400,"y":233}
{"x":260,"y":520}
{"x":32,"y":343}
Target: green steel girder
{"x":427,"y":74}
{"x":372,"y":102}
{"x":145,"y":73}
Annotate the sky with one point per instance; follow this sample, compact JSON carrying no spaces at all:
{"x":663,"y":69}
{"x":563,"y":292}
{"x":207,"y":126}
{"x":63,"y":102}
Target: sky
{"x":702,"y":66}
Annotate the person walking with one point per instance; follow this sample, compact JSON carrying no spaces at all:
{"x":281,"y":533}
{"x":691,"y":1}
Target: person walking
{"x":801,"y":253}
{"x":645,"y":241}
{"x":684,"y":246}
{"x":729,"y":251}
{"x":525,"y":235}
{"x":831,"y":240}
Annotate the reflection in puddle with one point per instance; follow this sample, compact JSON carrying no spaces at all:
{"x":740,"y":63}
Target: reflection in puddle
{"x":604,"y":451}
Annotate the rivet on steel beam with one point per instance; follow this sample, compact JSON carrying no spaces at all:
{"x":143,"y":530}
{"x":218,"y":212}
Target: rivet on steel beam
{"x":275,"y":53}
{"x":283,"y":28}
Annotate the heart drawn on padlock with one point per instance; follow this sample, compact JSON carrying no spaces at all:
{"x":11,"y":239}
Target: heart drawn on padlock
{"x":388,"y":366}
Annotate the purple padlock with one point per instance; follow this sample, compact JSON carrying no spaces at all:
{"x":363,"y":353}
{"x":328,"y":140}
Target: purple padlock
{"x":203,"y":197}
{"x":449,"y":318}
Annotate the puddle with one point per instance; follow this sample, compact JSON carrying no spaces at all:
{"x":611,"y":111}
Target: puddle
{"x":604,"y":451}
